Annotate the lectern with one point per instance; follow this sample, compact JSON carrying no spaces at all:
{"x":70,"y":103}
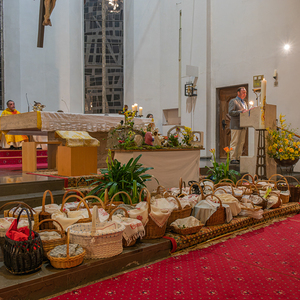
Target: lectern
{"x":254,"y":118}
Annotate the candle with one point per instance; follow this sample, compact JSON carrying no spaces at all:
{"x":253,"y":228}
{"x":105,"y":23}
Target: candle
{"x":251,"y":104}
{"x":135,"y":107}
{"x":140,"y":110}
{"x":263,"y":93}
{"x":132,"y":107}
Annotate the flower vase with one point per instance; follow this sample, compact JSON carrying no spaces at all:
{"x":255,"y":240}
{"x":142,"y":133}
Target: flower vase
{"x":286,"y":162}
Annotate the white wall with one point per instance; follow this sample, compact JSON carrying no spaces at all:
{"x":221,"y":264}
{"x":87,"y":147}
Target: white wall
{"x":49,"y":74}
{"x":230,"y":41}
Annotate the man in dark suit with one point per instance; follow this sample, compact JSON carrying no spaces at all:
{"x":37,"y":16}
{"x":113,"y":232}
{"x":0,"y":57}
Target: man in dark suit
{"x":236,"y":107}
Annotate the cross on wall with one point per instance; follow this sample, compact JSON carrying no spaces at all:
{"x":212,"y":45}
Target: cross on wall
{"x":46,"y":8}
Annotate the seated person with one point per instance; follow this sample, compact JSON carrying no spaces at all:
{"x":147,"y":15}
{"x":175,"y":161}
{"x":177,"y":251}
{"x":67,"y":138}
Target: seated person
{"x":150,"y":116}
{"x":7,"y":140}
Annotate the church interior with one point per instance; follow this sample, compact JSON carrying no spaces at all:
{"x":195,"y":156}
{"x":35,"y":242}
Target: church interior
{"x":121,"y":153}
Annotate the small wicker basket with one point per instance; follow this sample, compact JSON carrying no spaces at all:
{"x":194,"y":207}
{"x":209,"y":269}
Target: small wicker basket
{"x":50,"y":244}
{"x":152,"y":230}
{"x":66,"y":262}
{"x":217,"y":217}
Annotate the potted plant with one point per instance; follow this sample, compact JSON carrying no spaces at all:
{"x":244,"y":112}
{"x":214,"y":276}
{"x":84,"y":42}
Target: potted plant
{"x":130,"y":178}
{"x":221,"y":171}
{"x":282,"y":146}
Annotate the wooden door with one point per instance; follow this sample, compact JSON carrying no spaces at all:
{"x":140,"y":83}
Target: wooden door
{"x":225,"y":95}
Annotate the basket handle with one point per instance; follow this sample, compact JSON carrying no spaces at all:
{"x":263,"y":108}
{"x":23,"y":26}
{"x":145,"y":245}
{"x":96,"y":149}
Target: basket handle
{"x":148,"y":198}
{"x":29,"y":221}
{"x":95,"y":218}
{"x":96,"y":198}
{"x":114,"y":210}
{"x":219,"y":185}
{"x":244,"y":177}
{"x":213,"y":195}
{"x":81,"y":200}
{"x":20,"y":203}
{"x":196,"y":183}
{"x":52,"y":220}
{"x":275,"y":175}
{"x":118,"y":193}
{"x":44,"y":199}
{"x":211,"y":187}
{"x":160,"y":187}
{"x":72,"y":190}
{"x":68,"y":242}
{"x":226,"y":180}
{"x":292,"y":178}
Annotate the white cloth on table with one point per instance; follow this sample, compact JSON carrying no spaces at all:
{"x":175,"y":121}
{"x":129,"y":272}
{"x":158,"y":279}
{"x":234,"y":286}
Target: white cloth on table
{"x":205,"y":208}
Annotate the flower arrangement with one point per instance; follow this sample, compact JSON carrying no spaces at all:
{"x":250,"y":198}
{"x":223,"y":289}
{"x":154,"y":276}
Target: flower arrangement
{"x":221,"y":171}
{"x":187,"y":136}
{"x":281,"y":144}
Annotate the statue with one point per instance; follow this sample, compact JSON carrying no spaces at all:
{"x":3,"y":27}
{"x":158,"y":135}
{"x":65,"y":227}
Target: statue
{"x":49,"y":6}
{"x":38,"y":106}
{"x":148,"y":138}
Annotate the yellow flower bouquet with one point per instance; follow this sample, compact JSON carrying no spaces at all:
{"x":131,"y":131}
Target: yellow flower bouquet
{"x":281,"y":144}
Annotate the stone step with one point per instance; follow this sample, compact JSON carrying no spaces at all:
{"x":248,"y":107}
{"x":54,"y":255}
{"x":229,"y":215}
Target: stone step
{"x":32,"y":199}
{"x":27,"y":186}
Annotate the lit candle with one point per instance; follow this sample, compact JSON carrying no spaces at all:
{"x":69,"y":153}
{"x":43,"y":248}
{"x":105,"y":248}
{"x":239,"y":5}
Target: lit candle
{"x":263,"y":93}
{"x":132,"y":107}
{"x":135,"y":107}
{"x":140,"y":110}
{"x":251,"y":104}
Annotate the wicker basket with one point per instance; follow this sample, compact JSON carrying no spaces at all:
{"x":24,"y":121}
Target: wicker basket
{"x":211,"y":187}
{"x":245,"y":185}
{"x":22,"y":257}
{"x":98,"y":243}
{"x":294,"y":190}
{"x":84,"y":220}
{"x":11,"y":212}
{"x":125,"y":245}
{"x":187,"y":230}
{"x":70,"y":191}
{"x":180,"y":213}
{"x":152,"y":230}
{"x":217,"y":217}
{"x":199,"y":187}
{"x":43,"y":215}
{"x":66,"y":262}
{"x":50,"y":244}
{"x":278,"y":203}
{"x":282,"y":185}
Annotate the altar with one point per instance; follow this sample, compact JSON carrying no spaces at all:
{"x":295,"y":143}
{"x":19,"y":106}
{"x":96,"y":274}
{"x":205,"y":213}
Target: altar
{"x":168,"y":165}
{"x":46,"y":123}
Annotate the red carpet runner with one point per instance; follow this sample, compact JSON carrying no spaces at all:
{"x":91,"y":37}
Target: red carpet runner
{"x":263,"y":264}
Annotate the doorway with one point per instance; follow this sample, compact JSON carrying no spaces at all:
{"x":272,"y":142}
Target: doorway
{"x":224,"y":95}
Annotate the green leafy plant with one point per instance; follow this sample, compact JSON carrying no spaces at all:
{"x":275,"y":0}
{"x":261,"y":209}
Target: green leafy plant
{"x":173,"y":140}
{"x":130,"y":178}
{"x":221,"y":171}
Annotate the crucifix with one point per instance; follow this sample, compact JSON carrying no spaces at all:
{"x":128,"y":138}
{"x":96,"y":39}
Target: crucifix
{"x":46,"y":8}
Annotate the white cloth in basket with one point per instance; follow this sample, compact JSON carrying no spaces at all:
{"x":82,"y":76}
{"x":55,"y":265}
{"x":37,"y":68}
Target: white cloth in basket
{"x":49,"y":208}
{"x":176,"y":191}
{"x":186,"y":222}
{"x":229,"y":199}
{"x":134,"y":228}
{"x":158,"y":214}
{"x":49,"y":235}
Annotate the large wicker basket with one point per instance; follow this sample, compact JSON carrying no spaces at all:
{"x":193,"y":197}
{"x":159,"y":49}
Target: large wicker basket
{"x":111,"y":204}
{"x":50,"y":244}
{"x":152,"y":230}
{"x":219,"y":216}
{"x":98,"y":241}
{"x":66,"y":262}
{"x":282,"y":185}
